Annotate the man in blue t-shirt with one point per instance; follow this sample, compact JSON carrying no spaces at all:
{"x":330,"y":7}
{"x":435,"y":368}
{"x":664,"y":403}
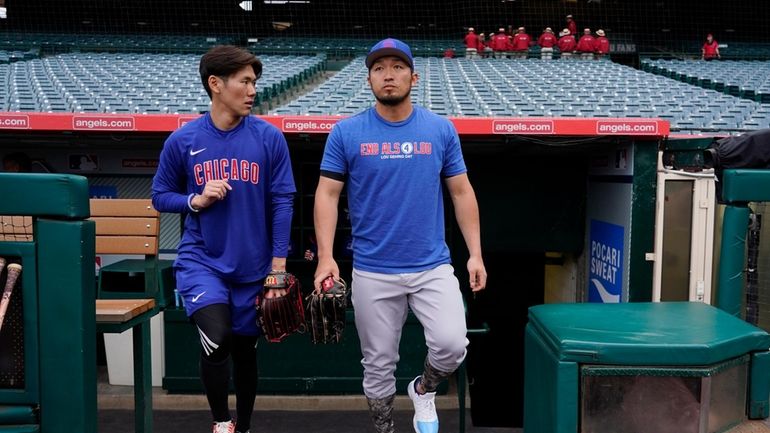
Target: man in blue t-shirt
{"x":393,"y":158}
{"x":229,"y":173}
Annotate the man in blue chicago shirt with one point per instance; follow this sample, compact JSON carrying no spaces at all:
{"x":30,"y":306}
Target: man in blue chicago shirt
{"x":394,"y":158}
{"x":230,"y":175}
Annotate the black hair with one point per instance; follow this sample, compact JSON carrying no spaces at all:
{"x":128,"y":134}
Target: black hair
{"x":225,"y":60}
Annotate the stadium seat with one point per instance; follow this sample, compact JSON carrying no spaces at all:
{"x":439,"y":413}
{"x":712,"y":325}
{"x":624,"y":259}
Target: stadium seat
{"x":135,"y":82}
{"x":130,"y":82}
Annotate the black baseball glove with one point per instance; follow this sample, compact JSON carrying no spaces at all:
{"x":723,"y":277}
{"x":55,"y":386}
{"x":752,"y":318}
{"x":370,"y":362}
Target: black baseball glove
{"x":326,"y":311}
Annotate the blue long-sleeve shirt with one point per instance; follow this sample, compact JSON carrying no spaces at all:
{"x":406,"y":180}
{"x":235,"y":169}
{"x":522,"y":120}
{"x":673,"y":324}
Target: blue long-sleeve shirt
{"x":238,"y":236}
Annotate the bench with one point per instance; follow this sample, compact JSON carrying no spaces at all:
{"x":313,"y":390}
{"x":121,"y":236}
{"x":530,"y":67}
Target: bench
{"x":117,"y":316}
{"x":130,"y":227}
{"x":127,"y":227}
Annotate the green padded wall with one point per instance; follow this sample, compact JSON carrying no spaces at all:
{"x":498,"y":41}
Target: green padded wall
{"x":59,"y":195}
{"x":641,"y":333}
{"x":550,"y":388}
{"x":67,"y":294}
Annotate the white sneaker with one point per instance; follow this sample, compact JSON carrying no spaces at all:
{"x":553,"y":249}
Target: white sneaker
{"x":425,"y":417}
{"x":223,"y":427}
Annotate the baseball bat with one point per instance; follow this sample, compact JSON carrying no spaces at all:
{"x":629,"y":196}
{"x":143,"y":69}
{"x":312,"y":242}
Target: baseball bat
{"x":14,"y":270}
{"x":3,"y":308}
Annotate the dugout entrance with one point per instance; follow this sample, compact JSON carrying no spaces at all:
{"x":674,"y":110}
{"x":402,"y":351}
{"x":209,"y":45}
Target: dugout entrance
{"x":556,"y":195}
{"x":564,"y":219}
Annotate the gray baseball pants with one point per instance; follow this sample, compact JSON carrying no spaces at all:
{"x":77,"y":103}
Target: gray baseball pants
{"x":381,"y":303}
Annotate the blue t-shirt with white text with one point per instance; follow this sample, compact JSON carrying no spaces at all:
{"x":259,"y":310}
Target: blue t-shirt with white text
{"x":393,"y":174}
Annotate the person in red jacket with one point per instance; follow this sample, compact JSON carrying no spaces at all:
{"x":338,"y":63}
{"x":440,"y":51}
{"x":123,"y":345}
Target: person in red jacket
{"x":471,"y":44}
{"x":546,"y":41}
{"x":710,"y":50}
{"x":602,"y":45}
{"x":521,"y":43}
{"x":500,"y":44}
{"x":586,"y":45}
{"x":489,"y":52}
{"x":482,"y":48}
{"x":571,"y":25}
{"x":567,"y":44}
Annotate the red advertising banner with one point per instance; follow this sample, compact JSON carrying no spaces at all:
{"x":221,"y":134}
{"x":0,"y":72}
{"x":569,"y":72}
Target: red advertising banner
{"x":306,"y":125}
{"x":627,"y":127}
{"x":14,"y":121}
{"x":522,"y":126}
{"x":323,"y":124}
{"x":102,"y":123}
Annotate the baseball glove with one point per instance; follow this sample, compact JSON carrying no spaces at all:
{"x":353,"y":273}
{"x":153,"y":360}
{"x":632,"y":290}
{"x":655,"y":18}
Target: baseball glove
{"x":284,"y":315}
{"x":326,"y":311}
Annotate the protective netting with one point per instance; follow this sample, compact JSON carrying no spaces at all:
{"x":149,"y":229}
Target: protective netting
{"x":758,"y":299}
{"x":662,"y":25}
{"x":15,"y":228}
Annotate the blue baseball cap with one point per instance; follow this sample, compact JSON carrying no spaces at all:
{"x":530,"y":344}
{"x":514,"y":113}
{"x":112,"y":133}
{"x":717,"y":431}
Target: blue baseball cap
{"x":390,"y":47}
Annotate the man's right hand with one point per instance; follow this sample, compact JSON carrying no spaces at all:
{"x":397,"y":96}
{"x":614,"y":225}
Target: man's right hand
{"x":325,"y":268}
{"x":214,"y":191}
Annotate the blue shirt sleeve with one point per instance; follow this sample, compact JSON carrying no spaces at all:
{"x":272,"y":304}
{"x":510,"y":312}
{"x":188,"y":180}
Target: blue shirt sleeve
{"x":283,"y":209}
{"x":282,"y":180}
{"x":334,"y":159}
{"x":169,"y":192}
{"x":454,"y":163}
{"x":282,"y":191}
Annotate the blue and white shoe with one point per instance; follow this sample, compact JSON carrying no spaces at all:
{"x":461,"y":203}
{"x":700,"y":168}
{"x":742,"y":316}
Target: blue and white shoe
{"x":425,"y":417}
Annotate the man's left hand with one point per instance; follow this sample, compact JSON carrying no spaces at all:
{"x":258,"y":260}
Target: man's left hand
{"x":478,"y":274}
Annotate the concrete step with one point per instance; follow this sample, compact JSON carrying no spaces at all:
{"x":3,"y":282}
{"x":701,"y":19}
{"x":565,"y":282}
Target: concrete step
{"x":122,"y":397}
{"x":161,"y":400}
{"x":751,"y":427}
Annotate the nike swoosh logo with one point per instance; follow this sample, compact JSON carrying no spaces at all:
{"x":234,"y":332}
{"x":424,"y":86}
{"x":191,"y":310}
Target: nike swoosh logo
{"x":195,"y":152}
{"x":195,"y":298}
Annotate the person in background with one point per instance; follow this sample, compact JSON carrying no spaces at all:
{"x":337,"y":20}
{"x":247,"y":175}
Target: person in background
{"x":510,"y":33}
{"x":521,"y":43}
{"x":471,"y":44}
{"x":546,"y":41}
{"x":489,"y":52}
{"x":710,"y":50}
{"x":17,"y":162}
{"x":566,"y":44}
{"x":482,"y":46}
{"x":571,"y":25}
{"x":500,"y":44}
{"x":586,"y":46}
{"x":602,"y":45}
